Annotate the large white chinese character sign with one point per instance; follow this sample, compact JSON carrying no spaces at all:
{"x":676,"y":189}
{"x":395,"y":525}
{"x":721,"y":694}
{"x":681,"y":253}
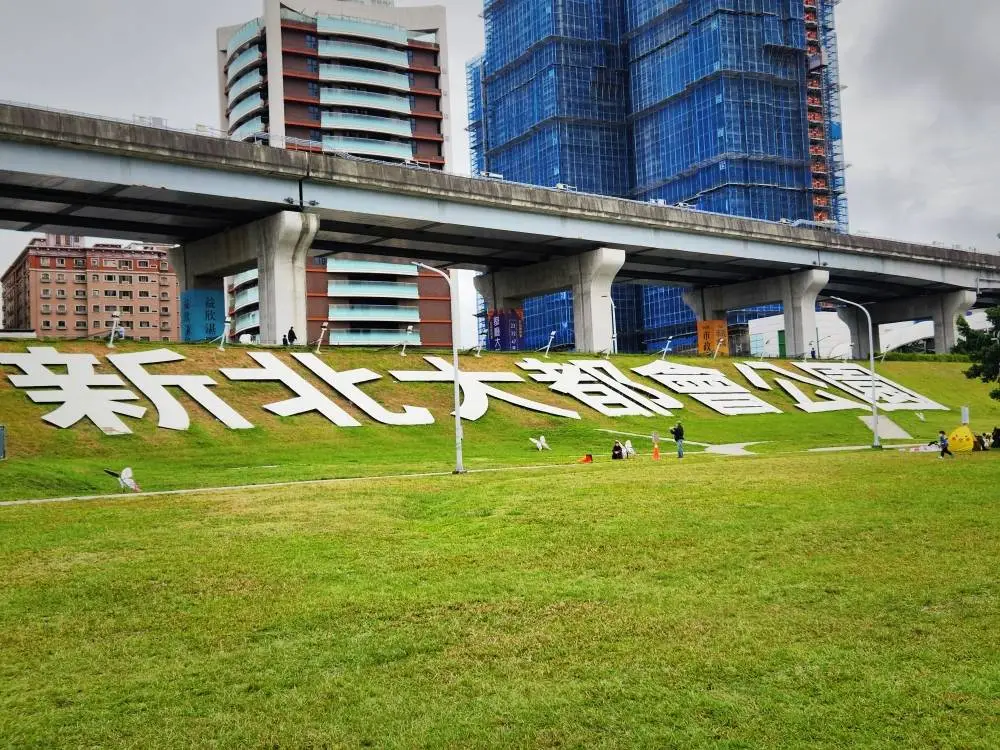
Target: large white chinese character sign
{"x":81,"y":393}
{"x":601,"y":386}
{"x":787,"y":381}
{"x":857,"y":381}
{"x":707,"y":386}
{"x":475,"y":393}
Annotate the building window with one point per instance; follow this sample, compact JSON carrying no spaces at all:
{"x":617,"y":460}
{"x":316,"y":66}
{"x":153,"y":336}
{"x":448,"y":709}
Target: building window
{"x":109,"y":264}
{"x":110,"y":277}
{"x":46,"y":293}
{"x":125,"y":295}
{"x":163,"y":265}
{"x":81,"y":324}
{"x":46,"y":309}
{"x":143,"y":324}
{"x":44,"y":262}
{"x":79,"y":263}
{"x":96,"y":324}
{"x":95,"y":277}
{"x":109,"y":308}
{"x":96,"y":293}
{"x":164,"y":338}
{"x":313,"y":89}
{"x":312,"y":65}
{"x":166,"y":311}
{"x":313,"y":112}
{"x":126,"y":309}
{"x":143,"y":294}
{"x":165,"y":325}
{"x":61,"y":262}
{"x":110,"y":293}
{"x":125,"y":265}
{"x":61,"y":324}
{"x":61,"y":308}
{"x":46,"y":277}
{"x":311,"y":41}
{"x":80,"y":278}
{"x":95,"y":262}
{"x":61,"y":293}
{"x":80,"y":293}
{"x":82,"y":310}
{"x":164,"y":295}
{"x":124,"y":279}
{"x":143,"y":279}
{"x":108,"y":323}
{"x":46,"y":324}
{"x":96,"y":308}
{"x":61,"y":278}
{"x":142,"y":264}
{"x":143,"y":308}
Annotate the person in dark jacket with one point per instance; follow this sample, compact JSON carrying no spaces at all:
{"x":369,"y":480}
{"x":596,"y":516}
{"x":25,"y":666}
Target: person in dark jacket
{"x":677,"y":432}
{"x":618,"y":451}
{"x":291,"y":337}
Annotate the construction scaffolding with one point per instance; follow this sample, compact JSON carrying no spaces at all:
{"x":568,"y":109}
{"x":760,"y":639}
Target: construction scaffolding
{"x":730,"y":106}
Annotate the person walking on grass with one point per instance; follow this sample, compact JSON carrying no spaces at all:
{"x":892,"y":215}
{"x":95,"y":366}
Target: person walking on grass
{"x":943,"y":445}
{"x":292,"y":337}
{"x":677,"y":432}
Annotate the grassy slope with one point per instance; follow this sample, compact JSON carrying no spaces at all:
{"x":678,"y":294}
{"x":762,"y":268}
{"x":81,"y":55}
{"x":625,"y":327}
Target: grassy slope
{"x":822,"y":601}
{"x":49,"y":462}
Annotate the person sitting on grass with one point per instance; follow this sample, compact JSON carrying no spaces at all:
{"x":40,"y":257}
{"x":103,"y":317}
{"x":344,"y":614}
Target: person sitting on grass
{"x":618,"y":451}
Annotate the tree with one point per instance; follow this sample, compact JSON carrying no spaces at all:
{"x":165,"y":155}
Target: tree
{"x":983,"y":349}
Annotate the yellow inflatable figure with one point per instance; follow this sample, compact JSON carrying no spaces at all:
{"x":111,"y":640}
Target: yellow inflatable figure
{"x":961,"y":439}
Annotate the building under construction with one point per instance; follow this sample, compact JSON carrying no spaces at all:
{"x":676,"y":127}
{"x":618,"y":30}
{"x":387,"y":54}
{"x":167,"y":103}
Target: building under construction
{"x":731,"y":106}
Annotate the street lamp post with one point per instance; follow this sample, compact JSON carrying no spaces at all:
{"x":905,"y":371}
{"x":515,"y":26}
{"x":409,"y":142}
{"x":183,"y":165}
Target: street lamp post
{"x":115,"y":317}
{"x":876,"y":443}
{"x":614,"y":324}
{"x":455,"y":329}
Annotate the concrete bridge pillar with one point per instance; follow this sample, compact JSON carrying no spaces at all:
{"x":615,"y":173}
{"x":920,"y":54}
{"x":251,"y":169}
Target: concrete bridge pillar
{"x":942,"y":309}
{"x":278,"y":246}
{"x":797,"y":293}
{"x":857,"y":325}
{"x":588,"y":275}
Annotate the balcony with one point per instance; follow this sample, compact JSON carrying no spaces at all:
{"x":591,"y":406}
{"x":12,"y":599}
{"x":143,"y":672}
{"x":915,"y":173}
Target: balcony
{"x":249,"y":129}
{"x":384,"y":313}
{"x":243,"y":323}
{"x":247,"y":106}
{"x":367,"y":123}
{"x":373,"y":337}
{"x":246,"y":32}
{"x":342,"y":265}
{"x":345,"y":26}
{"x":388,"y":289}
{"x":364,"y":52}
{"x":243,"y":61}
{"x":244,"y":83}
{"x":368,"y":147}
{"x":245,"y":297}
{"x":244,"y":277}
{"x":366,"y":99}
{"x":370,"y":76}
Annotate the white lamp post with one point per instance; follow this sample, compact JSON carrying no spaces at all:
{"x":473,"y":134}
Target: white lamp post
{"x":115,"y":317}
{"x":455,"y":329}
{"x":225,"y":333}
{"x":614,"y":325}
{"x":406,"y":340}
{"x":552,"y":337}
{"x":663,"y":354}
{"x":871,"y":362}
{"x":322,"y":335}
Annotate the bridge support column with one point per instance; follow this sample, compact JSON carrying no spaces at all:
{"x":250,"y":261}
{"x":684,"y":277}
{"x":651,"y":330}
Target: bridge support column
{"x":278,"y":245}
{"x":588,"y":275}
{"x":857,"y":326}
{"x":797,"y":293}
{"x":942,"y":309}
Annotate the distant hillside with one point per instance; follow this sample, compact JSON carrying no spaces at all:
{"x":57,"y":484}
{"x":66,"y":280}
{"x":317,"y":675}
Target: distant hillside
{"x":44,"y":460}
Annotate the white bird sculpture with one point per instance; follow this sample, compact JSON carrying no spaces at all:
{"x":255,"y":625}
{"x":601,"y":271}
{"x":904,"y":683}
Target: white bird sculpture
{"x":540,"y":443}
{"x":126,"y":480}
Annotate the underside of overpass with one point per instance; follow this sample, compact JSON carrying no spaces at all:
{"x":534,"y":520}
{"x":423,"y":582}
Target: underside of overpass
{"x":69,"y":174}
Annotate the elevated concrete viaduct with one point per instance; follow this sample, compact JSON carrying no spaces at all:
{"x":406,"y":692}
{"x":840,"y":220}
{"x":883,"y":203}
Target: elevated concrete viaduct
{"x":229,"y":205}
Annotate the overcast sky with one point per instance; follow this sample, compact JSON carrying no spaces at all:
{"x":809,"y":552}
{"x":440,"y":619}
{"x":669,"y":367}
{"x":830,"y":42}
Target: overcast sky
{"x":921,"y":108}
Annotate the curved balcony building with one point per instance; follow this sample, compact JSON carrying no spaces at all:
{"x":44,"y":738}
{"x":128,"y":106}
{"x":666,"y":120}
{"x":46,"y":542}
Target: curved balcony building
{"x":365,"y":79}
{"x":361,"y":78}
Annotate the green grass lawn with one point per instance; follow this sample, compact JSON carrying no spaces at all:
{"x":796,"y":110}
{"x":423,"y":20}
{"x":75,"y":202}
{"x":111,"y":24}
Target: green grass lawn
{"x":47,"y":462}
{"x":778,"y":601}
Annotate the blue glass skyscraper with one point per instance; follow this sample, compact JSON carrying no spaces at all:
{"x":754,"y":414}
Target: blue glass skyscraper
{"x":729,"y":106}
